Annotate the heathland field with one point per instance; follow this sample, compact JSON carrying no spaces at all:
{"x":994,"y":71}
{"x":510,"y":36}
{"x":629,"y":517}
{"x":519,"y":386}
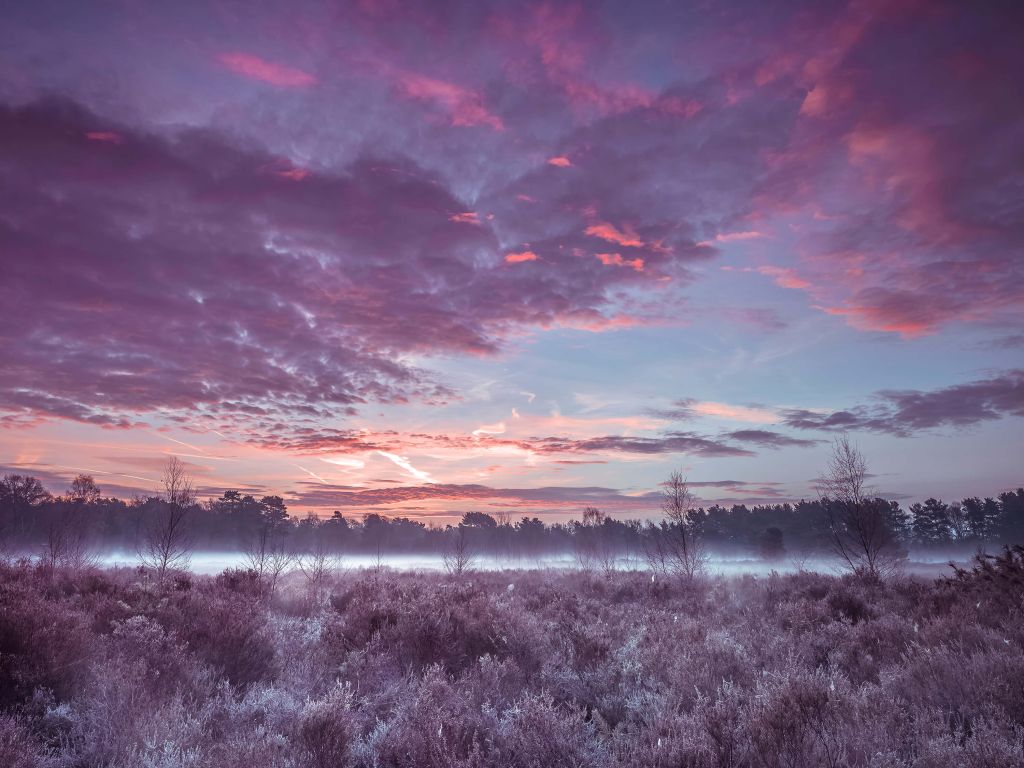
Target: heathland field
{"x":512,"y":668}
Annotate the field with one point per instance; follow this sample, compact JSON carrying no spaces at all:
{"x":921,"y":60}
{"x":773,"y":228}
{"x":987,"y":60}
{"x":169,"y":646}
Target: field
{"x":513,"y":668}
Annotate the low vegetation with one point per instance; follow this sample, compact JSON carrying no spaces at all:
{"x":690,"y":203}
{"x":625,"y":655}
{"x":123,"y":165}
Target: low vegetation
{"x":531,"y":669}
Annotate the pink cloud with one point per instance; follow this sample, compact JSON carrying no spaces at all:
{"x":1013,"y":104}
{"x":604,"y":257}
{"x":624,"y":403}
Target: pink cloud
{"x":875,"y":318}
{"x":734,"y":412}
{"x":466,"y":217}
{"x":784,"y":277}
{"x":609,"y":232}
{"x":464,"y":106}
{"x":615,"y":259}
{"x":599,"y":324}
{"x":559,"y":161}
{"x":560,"y":45}
{"x":521,"y":256}
{"x":732,"y":237}
{"x":256,"y":68}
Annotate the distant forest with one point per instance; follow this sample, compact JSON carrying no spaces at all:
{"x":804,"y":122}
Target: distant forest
{"x":32,"y":519}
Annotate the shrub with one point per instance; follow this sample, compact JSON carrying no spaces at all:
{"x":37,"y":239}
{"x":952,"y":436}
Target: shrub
{"x":43,"y":644}
{"x":414,"y":669}
{"x":17,"y":748}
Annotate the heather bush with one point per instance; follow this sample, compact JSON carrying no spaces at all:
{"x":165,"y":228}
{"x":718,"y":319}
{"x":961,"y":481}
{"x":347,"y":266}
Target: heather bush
{"x":225,"y":626}
{"x":328,"y":729}
{"x":44,"y":643}
{"x":17,"y":748}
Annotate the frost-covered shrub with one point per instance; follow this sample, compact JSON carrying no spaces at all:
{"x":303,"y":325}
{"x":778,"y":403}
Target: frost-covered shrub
{"x":43,"y":644}
{"x":228,"y":632}
{"x":535,"y":733}
{"x":434,"y":725}
{"x":795,"y":721}
{"x":328,"y":729}
{"x":17,"y":748}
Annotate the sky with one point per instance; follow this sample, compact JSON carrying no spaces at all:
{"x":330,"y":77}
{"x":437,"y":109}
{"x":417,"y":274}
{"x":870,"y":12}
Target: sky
{"x":516,"y":257}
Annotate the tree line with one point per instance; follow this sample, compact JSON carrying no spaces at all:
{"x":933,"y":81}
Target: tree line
{"x":83,"y":520}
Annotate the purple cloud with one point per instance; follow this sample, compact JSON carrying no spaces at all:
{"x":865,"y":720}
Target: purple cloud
{"x":187,"y":272}
{"x":906,"y":412}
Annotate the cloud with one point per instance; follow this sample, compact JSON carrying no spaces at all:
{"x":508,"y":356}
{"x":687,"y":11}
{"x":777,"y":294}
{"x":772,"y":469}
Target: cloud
{"x":767,"y":439}
{"x":922,"y":228}
{"x":609,"y":232}
{"x":731,"y":237}
{"x":256,"y":68}
{"x":176,"y":274}
{"x":674,"y":442}
{"x":403,"y":463}
{"x":464,"y":106}
{"x":496,"y":437}
{"x":687,"y":409}
{"x":616,"y":260}
{"x":559,"y":161}
{"x":904,"y":413}
{"x":785,"y":278}
{"x":517,"y":257}
{"x":551,"y":497}
{"x":492,"y":429}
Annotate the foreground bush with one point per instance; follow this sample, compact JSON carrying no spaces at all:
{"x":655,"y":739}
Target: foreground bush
{"x":525,"y":669}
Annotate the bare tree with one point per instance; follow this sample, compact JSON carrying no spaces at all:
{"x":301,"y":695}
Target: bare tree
{"x":845,"y":478}
{"x":68,"y":545}
{"x":593,"y":547}
{"x":459,"y":557}
{"x":858,"y":525}
{"x":166,"y":544}
{"x":316,"y":566}
{"x":268,"y":555}
{"x":675,"y":547}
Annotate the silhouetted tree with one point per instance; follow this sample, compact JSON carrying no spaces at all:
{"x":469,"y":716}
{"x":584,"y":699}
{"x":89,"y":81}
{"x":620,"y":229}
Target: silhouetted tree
{"x":931,"y":524}
{"x":19,"y":495}
{"x":1011,"y":516}
{"x":84,"y":490}
{"x":982,"y":516}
